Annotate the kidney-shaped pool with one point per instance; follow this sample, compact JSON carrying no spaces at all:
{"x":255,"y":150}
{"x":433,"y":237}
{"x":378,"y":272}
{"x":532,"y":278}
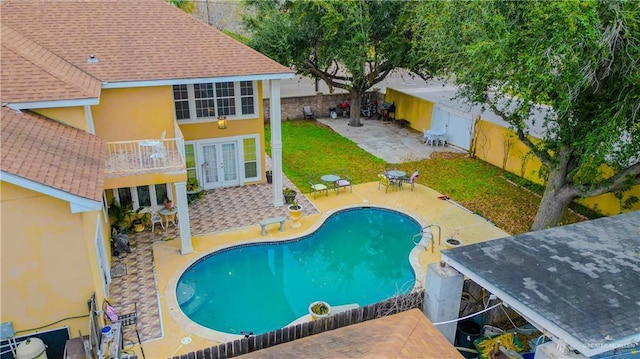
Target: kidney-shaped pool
{"x":358,"y":255}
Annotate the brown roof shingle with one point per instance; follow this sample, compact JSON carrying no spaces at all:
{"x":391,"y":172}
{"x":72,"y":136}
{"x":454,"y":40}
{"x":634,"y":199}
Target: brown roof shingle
{"x":404,"y":335}
{"x":51,"y":153}
{"x":140,"y":40}
{"x":32,"y":73}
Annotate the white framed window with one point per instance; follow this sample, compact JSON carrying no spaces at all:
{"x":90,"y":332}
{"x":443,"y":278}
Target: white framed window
{"x":204,"y":102}
{"x":142,"y":196}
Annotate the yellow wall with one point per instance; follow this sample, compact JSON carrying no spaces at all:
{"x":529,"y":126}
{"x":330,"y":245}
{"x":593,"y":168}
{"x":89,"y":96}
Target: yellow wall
{"x":495,"y":143}
{"x":413,"y":109}
{"x":72,"y":116}
{"x":500,"y":147}
{"x":47,"y":255}
{"x":134,"y":113}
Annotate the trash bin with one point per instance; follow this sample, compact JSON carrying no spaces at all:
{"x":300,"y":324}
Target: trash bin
{"x":468,"y":331}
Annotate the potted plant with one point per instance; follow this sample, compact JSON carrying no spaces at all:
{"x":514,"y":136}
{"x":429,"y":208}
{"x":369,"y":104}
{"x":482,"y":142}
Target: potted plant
{"x":319,"y":309}
{"x":289,"y":195}
{"x":121,"y":214}
{"x":140,"y":221}
{"x":295,"y":211}
{"x":452,"y":241}
{"x":193,"y":186}
{"x":168,"y":204}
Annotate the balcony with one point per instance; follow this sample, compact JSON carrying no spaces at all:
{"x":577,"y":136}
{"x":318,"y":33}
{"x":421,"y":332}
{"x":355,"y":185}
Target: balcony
{"x":126,"y":158}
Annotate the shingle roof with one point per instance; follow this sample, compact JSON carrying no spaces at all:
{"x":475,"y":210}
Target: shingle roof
{"x":30,"y":73}
{"x":580,"y":281}
{"x":51,"y":153}
{"x":405,"y":335}
{"x":142,"y":40}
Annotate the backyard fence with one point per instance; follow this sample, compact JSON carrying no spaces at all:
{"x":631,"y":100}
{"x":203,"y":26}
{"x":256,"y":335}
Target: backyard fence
{"x":238,"y":347}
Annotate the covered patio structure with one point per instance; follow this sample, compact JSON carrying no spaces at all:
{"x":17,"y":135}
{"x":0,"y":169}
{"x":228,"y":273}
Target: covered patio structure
{"x":578,"y":283}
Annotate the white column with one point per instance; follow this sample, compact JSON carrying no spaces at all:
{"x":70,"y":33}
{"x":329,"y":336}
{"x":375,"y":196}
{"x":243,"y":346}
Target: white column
{"x":183,"y":217}
{"x":276,"y":140}
{"x":442,"y":297}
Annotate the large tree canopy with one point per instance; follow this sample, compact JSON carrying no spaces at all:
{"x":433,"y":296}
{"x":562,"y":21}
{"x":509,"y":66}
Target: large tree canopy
{"x":351,"y":44}
{"x":581,"y":58}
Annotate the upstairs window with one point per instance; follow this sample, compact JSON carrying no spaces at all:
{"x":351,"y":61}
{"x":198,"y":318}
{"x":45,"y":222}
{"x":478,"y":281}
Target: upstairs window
{"x":206,"y":101}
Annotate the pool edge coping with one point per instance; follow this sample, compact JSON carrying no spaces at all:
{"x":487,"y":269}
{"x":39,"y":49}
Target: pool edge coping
{"x":193,"y":328}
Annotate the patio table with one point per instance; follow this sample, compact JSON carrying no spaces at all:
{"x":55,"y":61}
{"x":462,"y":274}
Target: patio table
{"x":397,"y":175}
{"x":330,"y":179}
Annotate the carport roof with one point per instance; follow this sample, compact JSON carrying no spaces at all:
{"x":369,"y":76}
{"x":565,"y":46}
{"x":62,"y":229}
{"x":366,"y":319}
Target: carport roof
{"x":579,"y":282}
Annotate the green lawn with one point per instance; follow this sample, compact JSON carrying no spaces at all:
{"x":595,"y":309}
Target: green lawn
{"x":312,"y":148}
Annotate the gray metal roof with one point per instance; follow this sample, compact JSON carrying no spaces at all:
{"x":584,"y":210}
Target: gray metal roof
{"x":580,"y":282}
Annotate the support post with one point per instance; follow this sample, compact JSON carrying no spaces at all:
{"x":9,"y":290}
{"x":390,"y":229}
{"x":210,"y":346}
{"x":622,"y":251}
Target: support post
{"x":276,"y":140}
{"x":186,"y":246}
{"x":443,"y":290}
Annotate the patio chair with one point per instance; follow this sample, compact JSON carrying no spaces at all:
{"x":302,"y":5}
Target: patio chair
{"x":344,"y":181}
{"x":386,"y":182}
{"x":411,"y":180}
{"x":307,"y":113}
{"x":317,"y":187}
{"x":155,"y":218}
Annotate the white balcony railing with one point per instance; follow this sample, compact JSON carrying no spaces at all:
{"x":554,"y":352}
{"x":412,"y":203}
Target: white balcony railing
{"x":146,"y":156}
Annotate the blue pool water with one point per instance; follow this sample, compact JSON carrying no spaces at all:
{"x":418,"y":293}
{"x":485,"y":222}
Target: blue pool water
{"x":359,"y":255}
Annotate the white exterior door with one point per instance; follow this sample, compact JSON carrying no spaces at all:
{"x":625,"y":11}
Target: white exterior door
{"x":219,"y":164}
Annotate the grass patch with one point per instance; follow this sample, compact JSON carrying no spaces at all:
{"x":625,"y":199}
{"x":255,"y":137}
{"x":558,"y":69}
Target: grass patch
{"x":312,"y":148}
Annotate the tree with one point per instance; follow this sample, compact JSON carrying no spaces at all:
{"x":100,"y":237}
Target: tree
{"x":185,"y":5}
{"x":351,"y":44}
{"x":580,"y":58}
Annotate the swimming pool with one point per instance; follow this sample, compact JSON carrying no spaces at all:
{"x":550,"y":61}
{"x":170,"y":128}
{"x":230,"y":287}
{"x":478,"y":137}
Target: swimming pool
{"x":358,"y":255}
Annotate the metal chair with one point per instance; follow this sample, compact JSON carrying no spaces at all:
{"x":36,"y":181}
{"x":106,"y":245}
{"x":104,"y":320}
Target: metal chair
{"x":385,"y":181}
{"x":307,"y":113}
{"x":155,"y":218}
{"x":344,"y":181}
{"x":317,"y":187}
{"x":411,"y":180}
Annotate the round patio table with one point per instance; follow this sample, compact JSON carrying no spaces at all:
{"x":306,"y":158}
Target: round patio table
{"x":330,"y":179}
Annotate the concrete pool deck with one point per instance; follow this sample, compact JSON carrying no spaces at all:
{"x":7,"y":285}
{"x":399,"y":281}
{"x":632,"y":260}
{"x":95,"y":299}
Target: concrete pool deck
{"x":181,"y":337}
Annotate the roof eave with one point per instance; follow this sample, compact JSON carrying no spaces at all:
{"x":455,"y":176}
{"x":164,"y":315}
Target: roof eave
{"x":52,"y":103}
{"x":183,"y":81}
{"x":534,"y":318}
{"x":78,"y":204}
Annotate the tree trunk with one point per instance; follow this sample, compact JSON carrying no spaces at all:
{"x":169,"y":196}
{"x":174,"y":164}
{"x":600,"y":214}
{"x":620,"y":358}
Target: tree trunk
{"x":354,"y":117}
{"x":557,"y":197}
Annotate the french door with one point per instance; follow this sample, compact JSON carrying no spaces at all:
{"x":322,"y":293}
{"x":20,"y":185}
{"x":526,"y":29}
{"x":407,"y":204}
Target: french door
{"x":219,"y":164}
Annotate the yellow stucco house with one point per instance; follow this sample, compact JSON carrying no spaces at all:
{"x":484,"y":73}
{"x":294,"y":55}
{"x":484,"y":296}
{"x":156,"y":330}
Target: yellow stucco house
{"x":114,"y":102}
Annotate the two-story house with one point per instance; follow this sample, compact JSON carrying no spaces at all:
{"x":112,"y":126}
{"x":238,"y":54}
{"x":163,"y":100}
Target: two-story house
{"x":114,"y":102}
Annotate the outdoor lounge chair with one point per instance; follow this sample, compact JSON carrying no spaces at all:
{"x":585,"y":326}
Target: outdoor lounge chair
{"x":307,"y":113}
{"x":317,"y":187}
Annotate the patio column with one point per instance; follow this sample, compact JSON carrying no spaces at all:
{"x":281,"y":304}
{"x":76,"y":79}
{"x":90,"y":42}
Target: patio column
{"x":276,"y":140}
{"x":442,"y":294}
{"x":183,"y":218}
